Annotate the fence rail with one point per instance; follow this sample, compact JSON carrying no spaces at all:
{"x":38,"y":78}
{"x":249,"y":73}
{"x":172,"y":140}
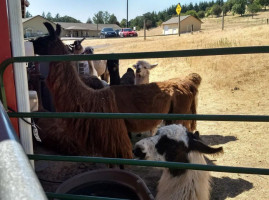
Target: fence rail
{"x":238,"y":118}
{"x":175,"y":165}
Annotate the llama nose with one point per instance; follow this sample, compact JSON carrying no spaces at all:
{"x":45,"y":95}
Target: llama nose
{"x":138,"y":153}
{"x":138,"y":70}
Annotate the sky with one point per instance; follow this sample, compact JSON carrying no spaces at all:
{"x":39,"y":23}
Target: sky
{"x":83,"y":9}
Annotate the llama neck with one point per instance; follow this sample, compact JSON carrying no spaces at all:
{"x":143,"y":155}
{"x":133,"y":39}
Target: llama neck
{"x":114,"y":78}
{"x":141,"y":80}
{"x":192,"y":185}
{"x":65,"y":84}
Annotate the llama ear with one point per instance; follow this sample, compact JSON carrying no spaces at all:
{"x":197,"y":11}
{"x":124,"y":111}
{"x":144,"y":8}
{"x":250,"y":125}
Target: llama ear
{"x":198,"y":145}
{"x":154,"y":65}
{"x":82,"y":40}
{"x":134,"y":66}
{"x":50,"y":29}
{"x":196,"y":135}
{"x":58,"y":30}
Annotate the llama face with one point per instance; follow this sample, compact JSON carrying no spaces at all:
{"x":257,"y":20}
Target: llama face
{"x":160,"y":147}
{"x":77,"y":45}
{"x":51,"y":44}
{"x":88,"y":50}
{"x":142,"y":68}
{"x":172,"y":143}
{"x":113,"y":66}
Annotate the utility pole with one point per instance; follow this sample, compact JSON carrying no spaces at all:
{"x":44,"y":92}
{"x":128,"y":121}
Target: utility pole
{"x":222,"y":20}
{"x":179,"y":25}
{"x":127,"y":15}
{"x":144,"y":29}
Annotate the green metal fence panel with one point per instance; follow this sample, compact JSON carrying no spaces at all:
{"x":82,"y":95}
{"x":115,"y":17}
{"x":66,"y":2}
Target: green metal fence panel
{"x":175,"y":165}
{"x":139,"y":55}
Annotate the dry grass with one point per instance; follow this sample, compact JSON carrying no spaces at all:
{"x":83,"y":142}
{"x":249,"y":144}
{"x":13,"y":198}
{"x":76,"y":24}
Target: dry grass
{"x":235,"y":84}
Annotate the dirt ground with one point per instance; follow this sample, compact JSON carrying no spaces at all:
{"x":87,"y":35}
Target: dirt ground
{"x":231,"y":85}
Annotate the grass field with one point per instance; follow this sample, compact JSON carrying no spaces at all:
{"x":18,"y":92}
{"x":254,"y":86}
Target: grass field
{"x":236,"y":84}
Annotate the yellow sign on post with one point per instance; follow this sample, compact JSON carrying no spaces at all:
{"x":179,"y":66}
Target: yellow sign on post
{"x":178,"y":9}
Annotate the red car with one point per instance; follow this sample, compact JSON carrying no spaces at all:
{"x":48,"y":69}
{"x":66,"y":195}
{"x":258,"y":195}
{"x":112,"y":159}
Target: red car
{"x":127,"y":32}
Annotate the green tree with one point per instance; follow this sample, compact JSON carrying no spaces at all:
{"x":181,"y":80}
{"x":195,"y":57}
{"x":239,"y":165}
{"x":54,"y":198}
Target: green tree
{"x":138,"y":22}
{"x":225,"y":8}
{"x":89,"y":21}
{"x":201,"y":14}
{"x":208,"y":12}
{"x":123,"y":23}
{"x":192,"y":13}
{"x":196,"y":7}
{"x":239,"y":8}
{"x":148,"y":24}
{"x":113,"y":19}
{"x":159,"y":23}
{"x":57,"y":16}
{"x":220,"y":2}
{"x":49,"y":16}
{"x":98,"y":18}
{"x":216,"y":10}
{"x":264,"y":3}
{"x":43,"y":14}
{"x":230,"y":4}
{"x":254,"y":8}
{"x":106,"y":17}
{"x":66,"y":18}
{"x":28,"y":14}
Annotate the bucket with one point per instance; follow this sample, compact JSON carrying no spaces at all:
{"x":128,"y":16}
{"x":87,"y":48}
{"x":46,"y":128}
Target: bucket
{"x":111,"y":183}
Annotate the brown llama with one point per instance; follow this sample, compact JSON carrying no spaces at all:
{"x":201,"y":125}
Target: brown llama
{"x":106,"y":137}
{"x":178,"y":95}
{"x":174,"y":96}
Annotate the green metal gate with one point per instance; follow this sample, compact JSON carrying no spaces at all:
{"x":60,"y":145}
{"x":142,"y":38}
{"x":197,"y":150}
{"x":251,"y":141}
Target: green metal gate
{"x":160,"y":54}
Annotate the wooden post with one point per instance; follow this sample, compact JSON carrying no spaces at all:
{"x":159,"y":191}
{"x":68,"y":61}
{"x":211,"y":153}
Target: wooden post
{"x":192,"y":29}
{"x":127,"y":16}
{"x":144,"y":29}
{"x":222,"y":20}
{"x":179,"y":25}
{"x":22,"y":93}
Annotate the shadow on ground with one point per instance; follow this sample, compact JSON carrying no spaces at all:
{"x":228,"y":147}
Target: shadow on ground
{"x":225,"y":187}
{"x":217,"y":139}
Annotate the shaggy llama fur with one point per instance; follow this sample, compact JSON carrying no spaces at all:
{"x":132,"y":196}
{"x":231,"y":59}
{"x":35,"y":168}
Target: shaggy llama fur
{"x":106,"y":137}
{"x":173,"y":143}
{"x":177,"y":96}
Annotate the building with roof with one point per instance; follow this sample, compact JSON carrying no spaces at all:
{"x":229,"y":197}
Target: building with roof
{"x":33,"y":27}
{"x":83,"y":29}
{"x":188,"y":23}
